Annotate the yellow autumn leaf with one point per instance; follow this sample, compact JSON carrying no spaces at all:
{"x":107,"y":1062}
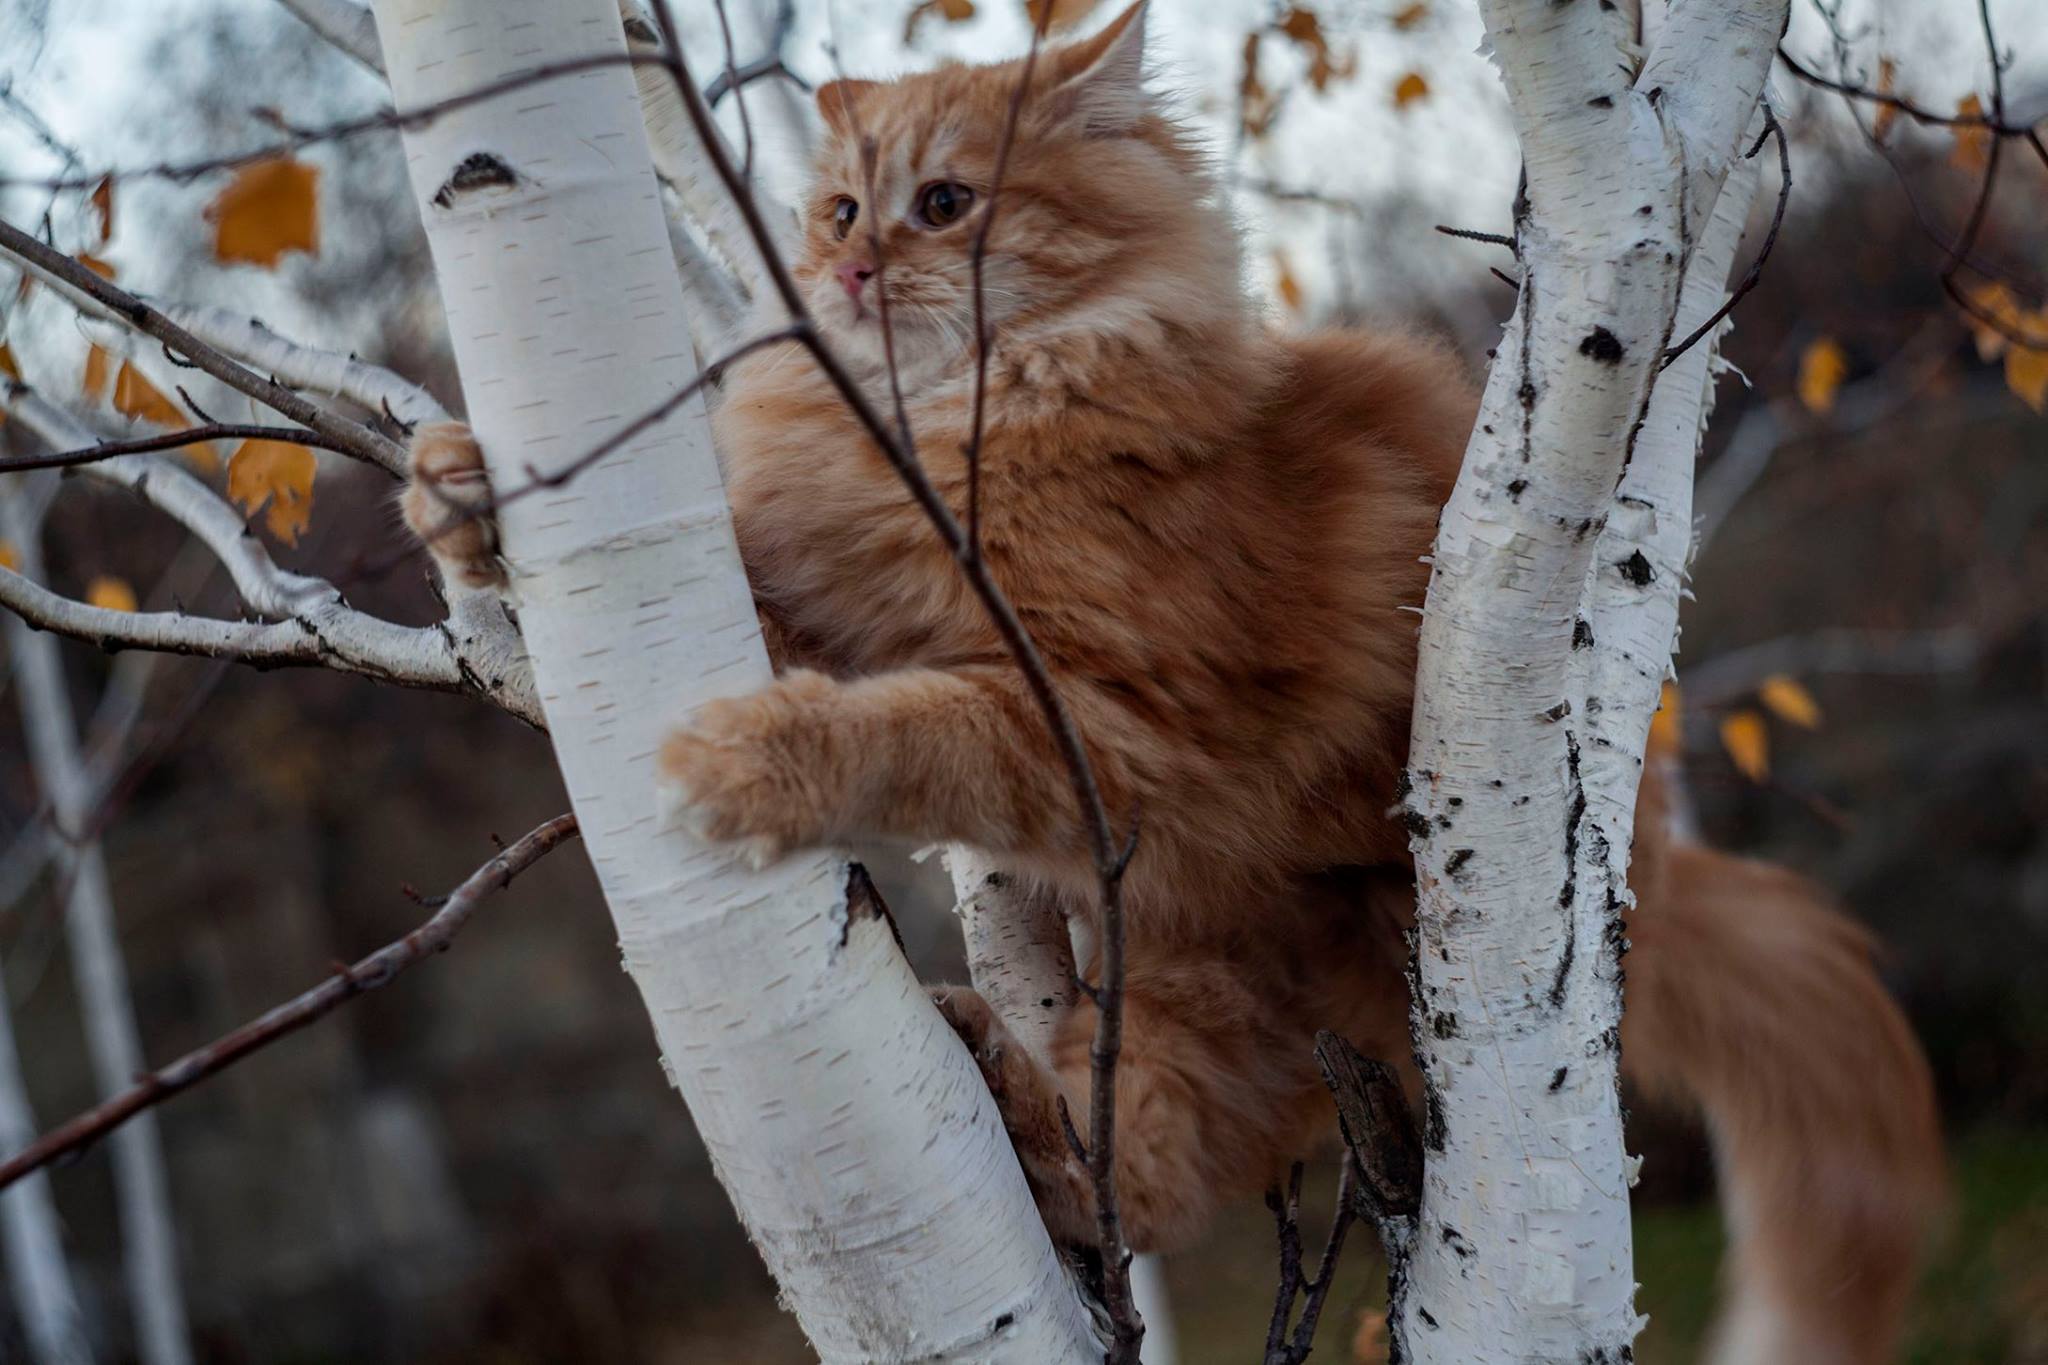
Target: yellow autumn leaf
{"x":8,"y":366}
{"x":1666,"y":726}
{"x":1257,"y":106}
{"x":1301,"y":24}
{"x":1972,"y":151}
{"x":1065,"y":13}
{"x":1409,"y":89}
{"x":10,"y":556}
{"x":95,"y":381}
{"x":1411,"y":16}
{"x":109,"y":592}
{"x":1787,"y":699}
{"x":1748,"y":742}
{"x":135,"y":396}
{"x":2026,"y":369}
{"x":1289,"y":287}
{"x":1823,"y":365}
{"x":269,"y":208}
{"x":103,"y":269}
{"x":1995,"y":302}
{"x":102,"y":201}
{"x":276,"y":476}
{"x":953,"y":11}
{"x":1881,"y":123}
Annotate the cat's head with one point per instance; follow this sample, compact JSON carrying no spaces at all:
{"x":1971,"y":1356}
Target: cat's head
{"x":1104,"y":218}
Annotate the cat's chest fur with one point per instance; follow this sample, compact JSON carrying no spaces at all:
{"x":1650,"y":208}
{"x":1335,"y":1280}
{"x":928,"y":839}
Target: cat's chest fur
{"x":837,"y":549}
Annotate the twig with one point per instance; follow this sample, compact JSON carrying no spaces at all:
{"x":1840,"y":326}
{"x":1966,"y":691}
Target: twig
{"x":1772,"y":128}
{"x":1918,"y":113}
{"x":180,"y":172}
{"x":1283,"y":1347}
{"x":758,"y":69}
{"x":346,"y":984}
{"x":1469,"y":235}
{"x":983,"y":333}
{"x":732,"y":78}
{"x":772,"y":64}
{"x":1287,"y":1226}
{"x":348,"y":436}
{"x":1980,"y":209}
{"x":1106,"y":850}
{"x":169,"y":440}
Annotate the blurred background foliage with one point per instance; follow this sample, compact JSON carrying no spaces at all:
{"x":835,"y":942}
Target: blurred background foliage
{"x":484,"y":1163}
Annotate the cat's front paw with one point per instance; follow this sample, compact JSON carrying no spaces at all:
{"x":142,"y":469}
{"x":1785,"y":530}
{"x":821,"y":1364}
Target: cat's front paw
{"x":447,"y":503}
{"x":755,"y":771}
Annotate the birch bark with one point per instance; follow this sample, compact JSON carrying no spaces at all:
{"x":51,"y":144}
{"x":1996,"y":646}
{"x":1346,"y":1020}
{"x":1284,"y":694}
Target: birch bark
{"x":149,"y":1240}
{"x":36,"y":1270}
{"x":847,"y":1123}
{"x":1549,"y":624}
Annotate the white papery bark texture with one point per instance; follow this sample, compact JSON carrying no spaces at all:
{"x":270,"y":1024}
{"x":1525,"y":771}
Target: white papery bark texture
{"x":37,"y":1275}
{"x":50,"y":726}
{"x":847,"y":1123}
{"x":1549,"y":624}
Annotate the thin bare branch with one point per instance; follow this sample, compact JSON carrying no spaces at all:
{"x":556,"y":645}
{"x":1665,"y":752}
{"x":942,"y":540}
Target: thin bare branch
{"x":180,"y":172}
{"x":168,"y":440}
{"x":984,"y":334}
{"x":349,"y":436}
{"x":348,"y":983}
{"x":1772,"y":128}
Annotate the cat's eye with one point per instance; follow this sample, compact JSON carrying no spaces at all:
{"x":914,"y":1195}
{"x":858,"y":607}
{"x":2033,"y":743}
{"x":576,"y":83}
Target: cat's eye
{"x":843,"y":214}
{"x":943,"y":204}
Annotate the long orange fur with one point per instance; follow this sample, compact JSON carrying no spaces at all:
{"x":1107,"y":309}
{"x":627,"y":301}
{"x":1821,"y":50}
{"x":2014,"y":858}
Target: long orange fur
{"x":1214,"y":535}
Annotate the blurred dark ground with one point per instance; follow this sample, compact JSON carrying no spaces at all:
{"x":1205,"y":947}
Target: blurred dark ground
{"x":483,"y":1162}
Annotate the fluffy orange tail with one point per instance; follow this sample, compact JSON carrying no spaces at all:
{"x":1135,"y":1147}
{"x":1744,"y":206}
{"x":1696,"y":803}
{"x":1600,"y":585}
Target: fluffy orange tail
{"x":1753,"y":999}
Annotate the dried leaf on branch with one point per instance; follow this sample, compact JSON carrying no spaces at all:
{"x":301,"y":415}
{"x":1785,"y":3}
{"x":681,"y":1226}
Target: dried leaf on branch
{"x":269,"y":208}
{"x":275,"y":477}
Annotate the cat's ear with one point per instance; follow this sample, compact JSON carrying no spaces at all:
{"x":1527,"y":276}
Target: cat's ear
{"x":1100,"y":82}
{"x":840,"y":102}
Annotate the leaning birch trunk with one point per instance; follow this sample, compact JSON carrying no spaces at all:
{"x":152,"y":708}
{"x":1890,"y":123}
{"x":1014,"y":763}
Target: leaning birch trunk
{"x":850,"y":1128}
{"x":37,"y":1275}
{"x":1549,"y":624}
{"x":1020,"y":956}
{"x":148,"y":1238}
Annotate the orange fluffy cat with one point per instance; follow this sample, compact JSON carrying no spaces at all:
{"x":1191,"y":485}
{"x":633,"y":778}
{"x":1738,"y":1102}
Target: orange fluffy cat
{"x":1213,"y":534}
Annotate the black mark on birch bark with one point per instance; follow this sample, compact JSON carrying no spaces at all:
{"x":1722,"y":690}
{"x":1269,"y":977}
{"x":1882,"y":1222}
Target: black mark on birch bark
{"x":1603,"y":346}
{"x":477,"y":171}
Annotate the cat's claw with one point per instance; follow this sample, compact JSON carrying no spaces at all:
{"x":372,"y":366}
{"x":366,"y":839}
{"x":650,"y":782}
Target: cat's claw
{"x":447,"y":503}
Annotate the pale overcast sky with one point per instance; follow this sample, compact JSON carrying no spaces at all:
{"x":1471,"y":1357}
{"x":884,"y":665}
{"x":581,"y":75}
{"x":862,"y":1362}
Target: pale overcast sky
{"x":93,"y":70}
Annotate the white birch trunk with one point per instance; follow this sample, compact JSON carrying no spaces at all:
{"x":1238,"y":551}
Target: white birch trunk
{"x":1020,"y":956}
{"x":36,"y":1271}
{"x":847,"y":1123}
{"x":149,"y":1240}
{"x":1551,"y":615}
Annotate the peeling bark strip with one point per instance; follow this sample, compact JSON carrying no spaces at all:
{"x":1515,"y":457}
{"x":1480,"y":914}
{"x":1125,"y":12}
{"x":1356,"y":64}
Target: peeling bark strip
{"x":1556,"y":575}
{"x":844,"y":1118}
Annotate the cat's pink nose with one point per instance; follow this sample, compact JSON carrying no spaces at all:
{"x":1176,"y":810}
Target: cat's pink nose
{"x":854,"y":274}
